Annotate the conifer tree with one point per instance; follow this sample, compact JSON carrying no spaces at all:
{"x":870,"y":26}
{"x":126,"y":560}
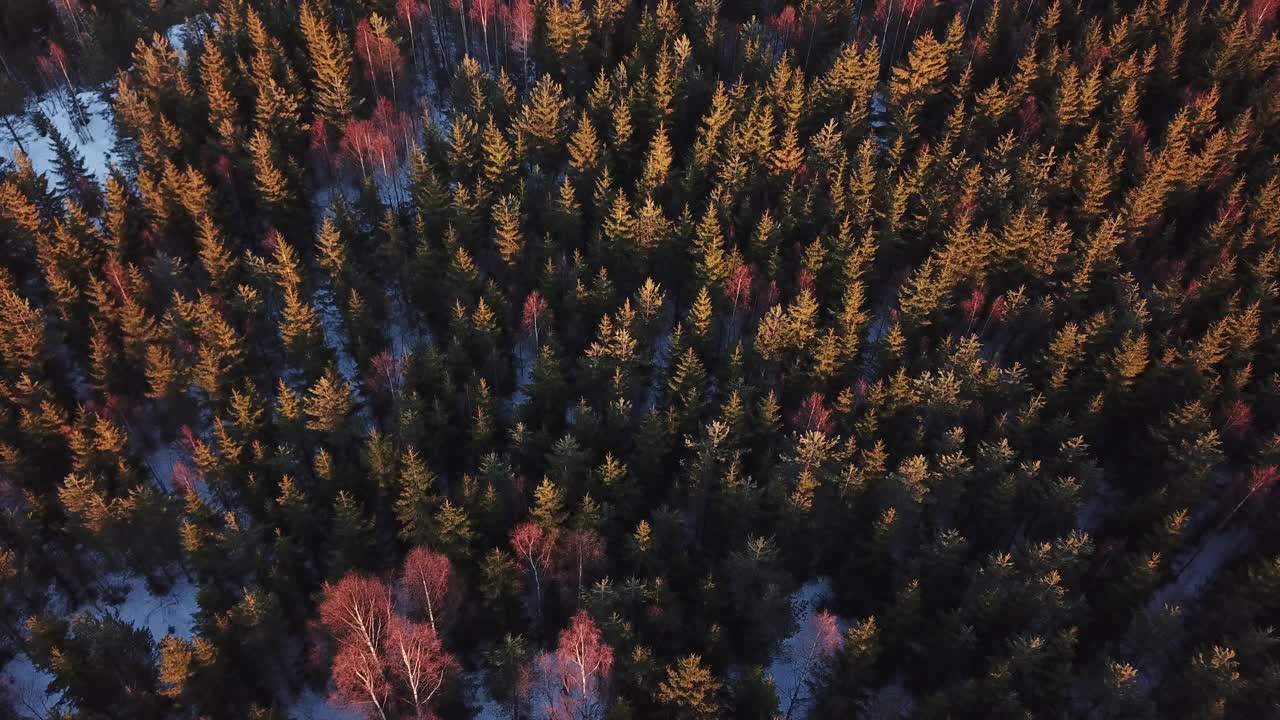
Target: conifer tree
{"x":330,"y":64}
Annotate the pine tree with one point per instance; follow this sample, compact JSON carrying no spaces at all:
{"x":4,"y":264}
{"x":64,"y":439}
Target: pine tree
{"x":657,"y":162}
{"x":328,"y":403}
{"x":689,"y":690}
{"x":585,"y":150}
{"x":330,"y":65}
{"x":544,"y":118}
{"x":508,"y":236}
{"x":708,"y":250}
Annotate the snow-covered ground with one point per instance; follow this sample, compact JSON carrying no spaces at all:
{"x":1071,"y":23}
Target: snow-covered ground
{"x":1195,"y":574}
{"x":789,"y":668}
{"x":94,"y":142}
{"x":486,"y":708}
{"x":524,"y":357}
{"x":161,"y":614}
{"x":178,"y":34}
{"x":311,"y":705}
{"x":1103,"y":498}
{"x":27,"y":685}
{"x":335,"y":335}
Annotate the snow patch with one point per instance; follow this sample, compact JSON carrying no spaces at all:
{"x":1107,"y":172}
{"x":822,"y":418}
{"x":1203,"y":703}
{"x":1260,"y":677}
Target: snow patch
{"x":524,"y":358}
{"x":311,"y":705}
{"x":178,"y":34}
{"x":1195,"y":574}
{"x":1095,"y":509}
{"x":486,"y":708}
{"x":93,"y":141}
{"x":790,"y":667}
{"x":161,"y":461}
{"x":27,"y":686}
{"x":174,"y":611}
{"x":335,"y":335}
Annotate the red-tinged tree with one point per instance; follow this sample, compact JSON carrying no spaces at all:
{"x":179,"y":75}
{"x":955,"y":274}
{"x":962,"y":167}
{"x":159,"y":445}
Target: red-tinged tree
{"x":484,"y":12}
{"x":359,"y":144}
{"x":814,"y":648}
{"x":738,"y":288}
{"x":1261,"y":11}
{"x":53,"y":66}
{"x":321,"y":146}
{"x":71,"y":14}
{"x":535,"y":546}
{"x":1238,"y":420}
{"x":360,"y":678}
{"x":535,"y":316}
{"x":996,"y":312}
{"x":379,"y":52}
{"x":411,"y":13}
{"x":518,"y":19}
{"x":579,"y":669}
{"x":395,"y":125}
{"x":972,"y":305}
{"x":387,"y":372}
{"x":581,"y":556}
{"x":418,"y":664}
{"x":459,"y":8}
{"x":1029,"y":116}
{"x":357,"y":612}
{"x":784,"y":24}
{"x":813,"y":415}
{"x":377,"y":144}
{"x":427,"y":582}
{"x":1258,"y":483}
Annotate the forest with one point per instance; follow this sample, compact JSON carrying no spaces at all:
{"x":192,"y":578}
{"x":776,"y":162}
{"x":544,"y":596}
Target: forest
{"x":625,"y":359}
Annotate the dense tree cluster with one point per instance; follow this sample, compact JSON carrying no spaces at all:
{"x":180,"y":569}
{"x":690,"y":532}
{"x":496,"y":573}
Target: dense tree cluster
{"x":552,"y":345}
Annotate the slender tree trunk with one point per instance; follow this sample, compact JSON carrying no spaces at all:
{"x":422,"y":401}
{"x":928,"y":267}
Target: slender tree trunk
{"x":413,"y":40}
{"x":462,"y":18}
{"x":431,"y":615}
{"x":884,"y":37}
{"x":14,"y":134}
{"x":537,"y":588}
{"x":373,"y":73}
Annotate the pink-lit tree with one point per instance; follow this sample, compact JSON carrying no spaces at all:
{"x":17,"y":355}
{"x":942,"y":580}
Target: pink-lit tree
{"x":1258,"y":483}
{"x":536,"y":314}
{"x":484,"y":12}
{"x":535,"y":546}
{"x":418,"y":663}
{"x":518,"y":19}
{"x":784,"y":24}
{"x":813,"y":414}
{"x":972,"y":305}
{"x":377,"y":144}
{"x":387,"y":371}
{"x":459,"y":7}
{"x":357,"y":612}
{"x":996,"y":312}
{"x":360,"y":679}
{"x":1239,"y":419}
{"x":738,"y":288}
{"x":581,"y":556}
{"x":71,"y":14}
{"x":53,"y":66}
{"x":410,"y":12}
{"x":1261,"y":11}
{"x":384,"y":662}
{"x":379,"y":52}
{"x":813,"y":648}
{"x":396,"y":125}
{"x":576,"y":674}
{"x":426,"y":580}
